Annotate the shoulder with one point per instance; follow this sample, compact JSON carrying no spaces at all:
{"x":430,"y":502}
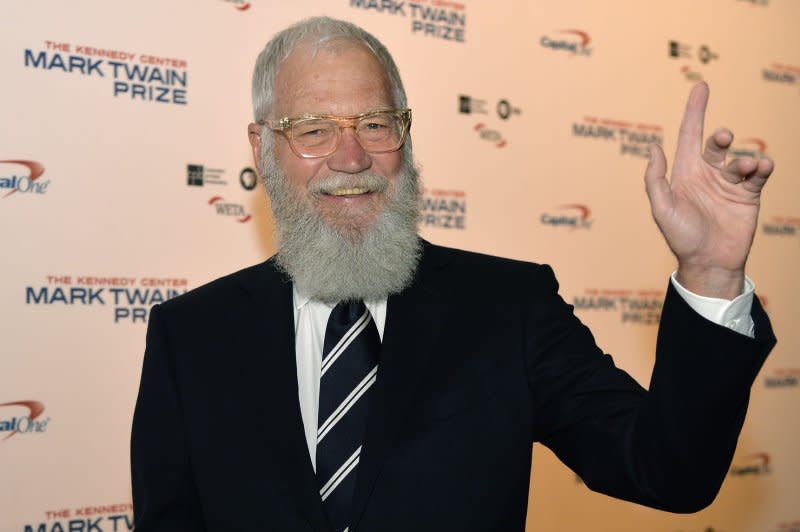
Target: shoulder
{"x":458,"y":269}
{"x":227,"y":291}
{"x":471,"y":259}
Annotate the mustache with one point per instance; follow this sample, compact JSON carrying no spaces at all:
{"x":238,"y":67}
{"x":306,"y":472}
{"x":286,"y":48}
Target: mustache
{"x":368,"y":180}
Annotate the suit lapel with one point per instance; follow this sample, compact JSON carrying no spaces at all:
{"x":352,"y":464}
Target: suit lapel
{"x":413,"y":319}
{"x":265,"y":356}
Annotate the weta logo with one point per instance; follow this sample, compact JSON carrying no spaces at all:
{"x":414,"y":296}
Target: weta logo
{"x":691,"y":75}
{"x":491,"y":135}
{"x":224,"y":208}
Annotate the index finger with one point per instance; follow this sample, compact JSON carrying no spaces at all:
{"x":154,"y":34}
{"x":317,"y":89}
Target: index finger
{"x":690,"y":136}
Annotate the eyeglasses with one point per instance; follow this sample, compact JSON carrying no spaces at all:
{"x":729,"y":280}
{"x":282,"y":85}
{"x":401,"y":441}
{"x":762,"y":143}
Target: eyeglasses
{"x":312,"y":136}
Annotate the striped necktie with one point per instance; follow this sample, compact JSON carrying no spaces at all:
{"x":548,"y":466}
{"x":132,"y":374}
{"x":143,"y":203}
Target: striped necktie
{"x":347,"y":377}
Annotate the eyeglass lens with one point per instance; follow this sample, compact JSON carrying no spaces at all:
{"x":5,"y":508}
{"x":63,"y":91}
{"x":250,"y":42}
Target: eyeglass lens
{"x":379,"y":132}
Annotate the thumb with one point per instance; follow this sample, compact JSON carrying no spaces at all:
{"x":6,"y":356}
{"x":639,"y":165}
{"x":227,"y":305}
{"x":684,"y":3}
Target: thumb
{"x":656,"y":184}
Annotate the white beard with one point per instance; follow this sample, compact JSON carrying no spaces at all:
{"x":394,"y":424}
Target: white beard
{"x":336,"y":263}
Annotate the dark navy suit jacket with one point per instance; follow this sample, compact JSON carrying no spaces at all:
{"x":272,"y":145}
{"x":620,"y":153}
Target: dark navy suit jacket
{"x":480,"y":358}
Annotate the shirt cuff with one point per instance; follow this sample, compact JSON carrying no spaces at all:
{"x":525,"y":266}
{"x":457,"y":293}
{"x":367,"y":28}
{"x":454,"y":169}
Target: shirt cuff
{"x":733,"y":314}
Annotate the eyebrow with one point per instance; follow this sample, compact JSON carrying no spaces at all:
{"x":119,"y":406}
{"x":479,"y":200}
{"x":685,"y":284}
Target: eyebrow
{"x":322,"y":113}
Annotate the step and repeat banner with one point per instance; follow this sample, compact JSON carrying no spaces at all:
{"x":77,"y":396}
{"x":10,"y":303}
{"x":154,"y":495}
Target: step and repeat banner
{"x":126,"y":179}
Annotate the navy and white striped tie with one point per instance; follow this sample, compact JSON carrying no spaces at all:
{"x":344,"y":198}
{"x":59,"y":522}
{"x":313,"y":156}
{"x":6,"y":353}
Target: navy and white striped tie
{"x":347,"y":378}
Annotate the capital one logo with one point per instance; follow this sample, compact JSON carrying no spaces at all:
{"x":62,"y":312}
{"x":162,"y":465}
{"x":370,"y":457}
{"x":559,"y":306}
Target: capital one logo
{"x":752,"y":147}
{"x":577,"y":42}
{"x":26,"y":423}
{"x":240,"y":5}
{"x":574,"y":216}
{"x":17,"y":175}
{"x":754,"y":464}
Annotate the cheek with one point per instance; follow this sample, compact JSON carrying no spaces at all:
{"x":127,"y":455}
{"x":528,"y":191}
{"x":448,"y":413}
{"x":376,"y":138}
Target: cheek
{"x":298,"y":171}
{"x":388,"y":164}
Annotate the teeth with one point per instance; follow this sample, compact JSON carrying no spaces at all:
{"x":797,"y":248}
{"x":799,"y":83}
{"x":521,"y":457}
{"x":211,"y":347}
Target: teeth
{"x":349,"y":191}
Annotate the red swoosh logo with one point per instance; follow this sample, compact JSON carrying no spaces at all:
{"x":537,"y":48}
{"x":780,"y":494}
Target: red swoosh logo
{"x":244,"y":7}
{"x":762,"y":457}
{"x":36,"y":170}
{"x":583,"y":208}
{"x":215,"y":199}
{"x":762,"y":146}
{"x":582,"y":34}
{"x":35,"y":408}
{"x":244,"y":219}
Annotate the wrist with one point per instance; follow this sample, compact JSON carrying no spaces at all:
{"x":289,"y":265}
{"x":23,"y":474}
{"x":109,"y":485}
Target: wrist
{"x":710,"y":281}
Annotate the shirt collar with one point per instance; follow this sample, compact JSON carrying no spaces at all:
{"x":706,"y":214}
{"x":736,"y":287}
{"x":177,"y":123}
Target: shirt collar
{"x":300,"y":298}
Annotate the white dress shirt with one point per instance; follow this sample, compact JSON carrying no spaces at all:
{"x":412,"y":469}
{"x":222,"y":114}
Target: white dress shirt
{"x":311,"y":319}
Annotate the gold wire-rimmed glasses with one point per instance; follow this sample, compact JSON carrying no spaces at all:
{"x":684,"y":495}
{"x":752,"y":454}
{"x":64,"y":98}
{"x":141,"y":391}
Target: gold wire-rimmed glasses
{"x":312,"y":136}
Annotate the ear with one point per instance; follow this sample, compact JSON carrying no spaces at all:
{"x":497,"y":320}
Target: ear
{"x":254,"y":136}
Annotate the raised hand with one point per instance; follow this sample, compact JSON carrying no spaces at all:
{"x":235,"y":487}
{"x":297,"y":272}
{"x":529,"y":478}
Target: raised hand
{"x":708,"y":210}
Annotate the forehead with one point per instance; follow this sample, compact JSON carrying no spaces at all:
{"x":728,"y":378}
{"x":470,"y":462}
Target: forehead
{"x":340,"y":78}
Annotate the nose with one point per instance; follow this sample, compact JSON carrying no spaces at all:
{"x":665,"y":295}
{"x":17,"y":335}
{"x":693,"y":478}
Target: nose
{"x":349,"y":157}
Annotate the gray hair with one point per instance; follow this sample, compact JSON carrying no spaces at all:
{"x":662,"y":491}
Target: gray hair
{"x":317,"y":31}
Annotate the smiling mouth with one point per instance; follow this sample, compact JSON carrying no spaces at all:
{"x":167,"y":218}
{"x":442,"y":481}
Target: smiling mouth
{"x":348,"y":191}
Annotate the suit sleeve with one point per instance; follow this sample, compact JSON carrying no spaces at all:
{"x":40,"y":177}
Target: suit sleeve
{"x":164,"y":497}
{"x":670,"y":447}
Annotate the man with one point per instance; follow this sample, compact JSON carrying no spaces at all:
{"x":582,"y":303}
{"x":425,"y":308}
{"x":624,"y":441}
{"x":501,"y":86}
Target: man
{"x":363,"y":379}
